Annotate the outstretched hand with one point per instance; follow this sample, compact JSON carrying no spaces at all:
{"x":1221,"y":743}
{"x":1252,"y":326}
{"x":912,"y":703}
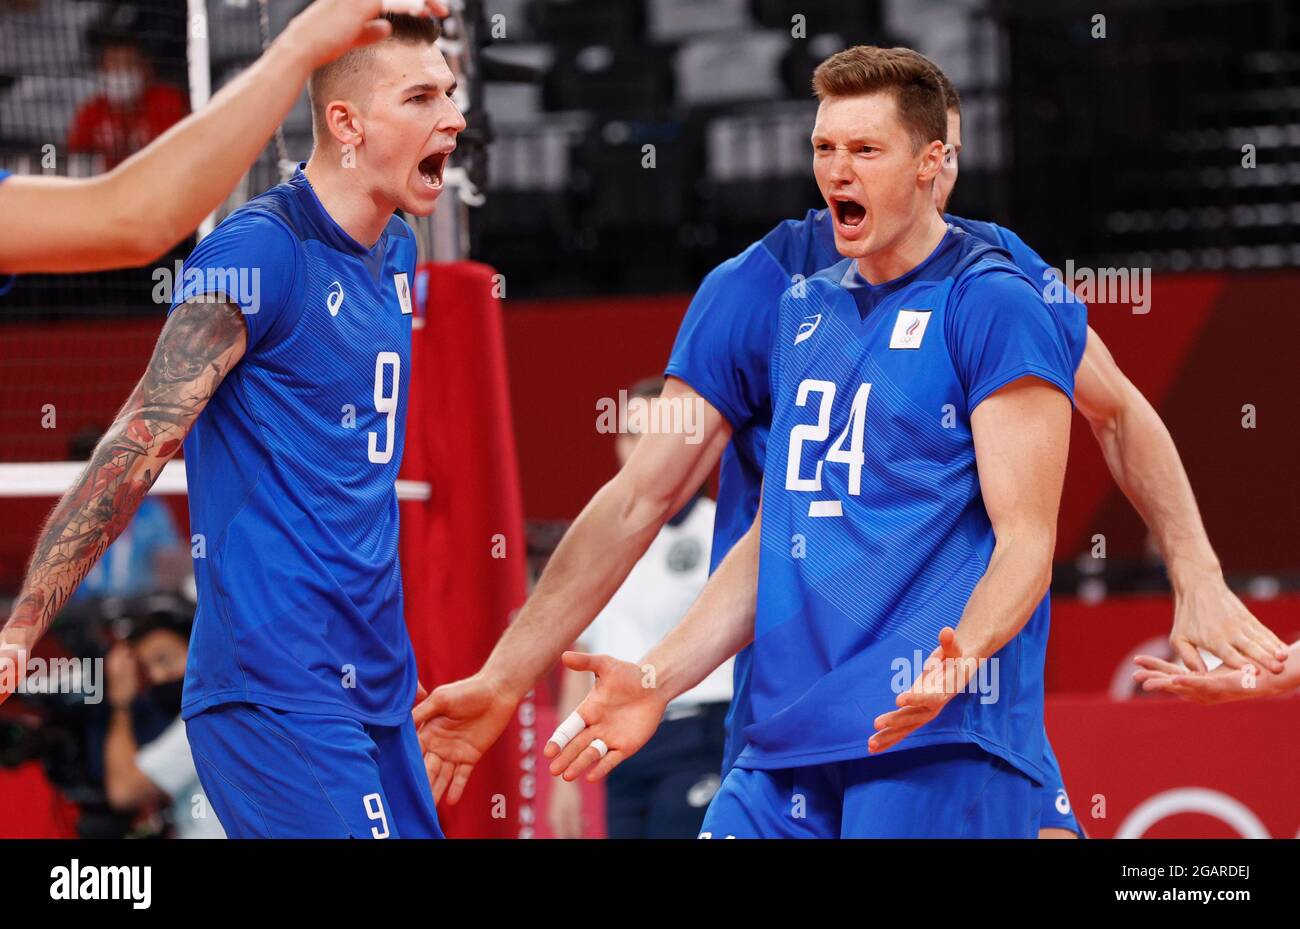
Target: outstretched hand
{"x":457,"y":724}
{"x":944,"y":675}
{"x":1221,"y":685}
{"x":620,"y":714}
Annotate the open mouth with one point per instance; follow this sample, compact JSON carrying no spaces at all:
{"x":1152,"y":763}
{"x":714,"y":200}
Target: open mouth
{"x":849,"y":213}
{"x":431,"y":169}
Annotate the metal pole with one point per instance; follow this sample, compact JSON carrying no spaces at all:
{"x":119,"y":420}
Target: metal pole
{"x":200,"y":72}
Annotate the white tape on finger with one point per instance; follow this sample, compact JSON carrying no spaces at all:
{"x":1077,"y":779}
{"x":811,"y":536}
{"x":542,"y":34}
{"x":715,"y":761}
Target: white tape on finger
{"x":409,"y":7}
{"x":600,"y":746}
{"x":566,"y":730}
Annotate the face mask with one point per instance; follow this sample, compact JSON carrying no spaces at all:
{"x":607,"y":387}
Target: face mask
{"x":122,"y":86}
{"x":167,"y":697}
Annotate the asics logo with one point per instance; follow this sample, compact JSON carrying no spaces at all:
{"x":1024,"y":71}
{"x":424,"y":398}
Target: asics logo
{"x":335,"y":298}
{"x":807,"y":328}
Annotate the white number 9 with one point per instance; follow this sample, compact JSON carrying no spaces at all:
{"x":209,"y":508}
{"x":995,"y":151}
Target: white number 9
{"x":385,"y":404}
{"x":375,"y":811}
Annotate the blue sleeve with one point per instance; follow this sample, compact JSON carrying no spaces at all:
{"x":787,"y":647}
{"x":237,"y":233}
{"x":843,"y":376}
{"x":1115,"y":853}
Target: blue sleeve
{"x":1000,"y":330}
{"x":251,"y":260}
{"x":1071,"y":313}
{"x":724,"y":343}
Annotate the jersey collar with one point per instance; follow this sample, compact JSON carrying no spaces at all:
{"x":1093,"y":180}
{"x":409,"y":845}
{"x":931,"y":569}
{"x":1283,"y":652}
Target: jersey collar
{"x":868,"y":296}
{"x":330,"y":232}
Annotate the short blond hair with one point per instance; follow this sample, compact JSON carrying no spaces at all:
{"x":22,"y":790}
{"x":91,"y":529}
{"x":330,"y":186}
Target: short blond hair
{"x":914,"y":81}
{"x":325,"y":81}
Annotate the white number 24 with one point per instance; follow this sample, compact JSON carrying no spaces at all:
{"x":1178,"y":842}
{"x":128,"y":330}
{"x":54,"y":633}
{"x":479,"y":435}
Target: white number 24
{"x":819,"y":431}
{"x":385,"y":403}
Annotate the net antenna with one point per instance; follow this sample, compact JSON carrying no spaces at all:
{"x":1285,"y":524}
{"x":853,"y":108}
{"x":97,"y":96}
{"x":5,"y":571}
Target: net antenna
{"x":286,"y":165}
{"x":197,"y":52}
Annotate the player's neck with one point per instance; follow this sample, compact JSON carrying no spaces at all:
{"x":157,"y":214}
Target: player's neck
{"x":346,"y":201}
{"x":908,"y":250}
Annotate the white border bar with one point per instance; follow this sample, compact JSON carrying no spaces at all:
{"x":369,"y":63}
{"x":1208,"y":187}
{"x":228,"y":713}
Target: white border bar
{"x":53,"y":478}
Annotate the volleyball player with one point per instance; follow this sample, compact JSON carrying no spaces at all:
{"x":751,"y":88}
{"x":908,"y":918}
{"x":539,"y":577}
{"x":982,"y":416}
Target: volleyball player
{"x":719,"y":362}
{"x":283,"y":367}
{"x":136,"y":212}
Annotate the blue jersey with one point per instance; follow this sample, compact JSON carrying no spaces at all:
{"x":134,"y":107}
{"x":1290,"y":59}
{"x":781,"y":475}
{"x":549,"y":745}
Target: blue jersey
{"x":1070,"y":311}
{"x":874,"y":529}
{"x":722,"y":351}
{"x":292,"y":467}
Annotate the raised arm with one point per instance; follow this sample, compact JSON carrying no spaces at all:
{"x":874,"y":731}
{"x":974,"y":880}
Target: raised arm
{"x":1144,"y":462}
{"x":628,"y":701}
{"x":1022,"y":437}
{"x":136,"y":212}
{"x":199,"y":344}
{"x":459,"y":721}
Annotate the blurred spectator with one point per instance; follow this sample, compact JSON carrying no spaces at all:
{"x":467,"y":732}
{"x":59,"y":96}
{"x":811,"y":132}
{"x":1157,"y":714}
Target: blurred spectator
{"x":663,"y":790}
{"x":131,"y":110}
{"x":162,"y":770}
{"x":146,"y":558}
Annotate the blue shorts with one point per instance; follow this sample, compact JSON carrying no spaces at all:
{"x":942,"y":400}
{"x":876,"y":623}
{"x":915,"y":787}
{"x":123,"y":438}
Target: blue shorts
{"x":1054,"y":801}
{"x":272,"y":774}
{"x":1057,"y":812}
{"x":937,"y":791}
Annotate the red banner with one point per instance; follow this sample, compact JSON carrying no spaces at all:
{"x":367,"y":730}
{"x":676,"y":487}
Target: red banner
{"x":1092,"y":646}
{"x":463,"y":550}
{"x":1156,"y":767}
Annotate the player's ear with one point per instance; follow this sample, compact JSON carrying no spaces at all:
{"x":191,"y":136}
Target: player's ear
{"x":342,"y":122}
{"x":931,"y":161}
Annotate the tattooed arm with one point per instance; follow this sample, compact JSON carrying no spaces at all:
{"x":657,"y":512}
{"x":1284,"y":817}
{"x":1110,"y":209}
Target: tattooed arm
{"x":198,"y":346}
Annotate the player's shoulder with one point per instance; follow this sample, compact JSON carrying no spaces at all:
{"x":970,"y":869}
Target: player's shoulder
{"x":280,"y":205}
{"x":975,"y":258}
{"x":268,"y":220}
{"x":792,"y":249}
{"x":989,"y":233}
{"x":986,"y":276}
{"x":743,"y":279}
{"x":802,"y":246}
{"x":997,"y":236}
